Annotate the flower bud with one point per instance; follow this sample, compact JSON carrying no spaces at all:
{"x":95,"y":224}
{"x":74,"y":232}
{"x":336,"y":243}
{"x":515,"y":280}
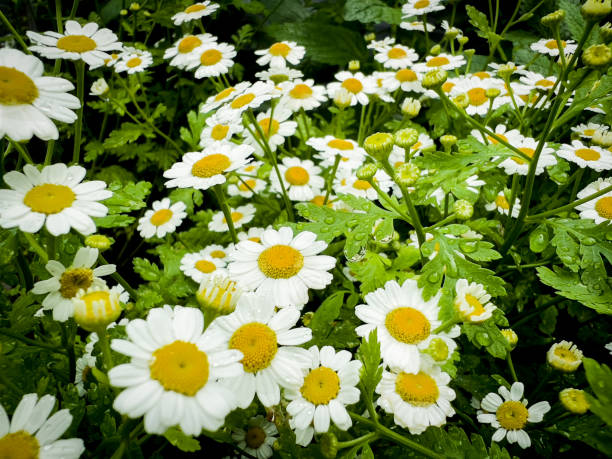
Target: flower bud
{"x":492,"y":93}
{"x":329,"y":445}
{"x":99,"y":87}
{"x":134,"y":6}
{"x":279,"y":78}
{"x":98,"y":241}
{"x":596,"y":10}
{"x":367,"y":171}
{"x":553,"y":19}
{"x":342,"y":98}
{"x":597,"y":56}
{"x":511,"y":337}
{"x":379,"y":145}
{"x":506,"y":70}
{"x":564,"y":356}
{"x":464,"y":209}
{"x":405,"y":138}
{"x":353,"y":65}
{"x":574,"y":401}
{"x":452,"y":33}
{"x":96,"y":307}
{"x":605,"y":32}
{"x":218,"y":294}
{"x":462,"y":40}
{"x":461,"y":101}
{"x":411,"y":107}
{"x":434,"y":79}
{"x":123,"y":12}
{"x":407,"y":174}
{"x":602,"y":138}
{"x":438,"y":350}
{"x":307,"y":318}
{"x":370,"y":37}
{"x":448,"y":141}
{"x":435,"y":50}
{"x":469,"y":53}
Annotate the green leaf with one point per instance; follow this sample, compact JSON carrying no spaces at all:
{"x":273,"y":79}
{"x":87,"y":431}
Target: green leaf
{"x":127,"y":133}
{"x":325,"y":315}
{"x":487,"y":335}
{"x":371,"y":372}
{"x":372,"y":271}
{"x":479,"y":20}
{"x":185,"y":443}
{"x":21,"y":314}
{"x":366,"y":11}
{"x":130,"y":196}
{"x":589,"y":429}
{"x":454,"y":444}
{"x":147,"y":270}
{"x":594,"y":90}
{"x":114,"y":221}
{"x":600,"y":381}
{"x":93,"y":149}
{"x":191,"y":136}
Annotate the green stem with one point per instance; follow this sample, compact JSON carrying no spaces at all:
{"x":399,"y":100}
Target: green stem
{"x":76,"y":152}
{"x":36,"y":247}
{"x":107,"y":356}
{"x":305,"y":120}
{"x":22,"y":151}
{"x":51,"y":246}
{"x":446,"y":325}
{"x":68,"y":342}
{"x":442,"y":222}
{"x":367,"y":438}
{"x":75,"y":5}
{"x":361,"y":125}
{"x":58,"y":16}
{"x":577,"y":183}
{"x":426,"y":33}
{"x":536,"y":311}
{"x":515,"y":184}
{"x":15,"y":33}
{"x":571,"y":205}
{"x":511,"y":366}
{"x":330,"y":178}
{"x":560,"y":47}
{"x":32,"y":342}
{"x":385,"y":197}
{"x":227,"y":213}
{"x":120,"y":279}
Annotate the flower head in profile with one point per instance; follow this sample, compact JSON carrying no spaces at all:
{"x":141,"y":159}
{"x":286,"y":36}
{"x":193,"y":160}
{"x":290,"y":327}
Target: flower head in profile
{"x":564,"y":356}
{"x":550,"y":47}
{"x":196,"y":11}
{"x":473,"y":301}
{"x":592,"y":156}
{"x":182,"y":52}
{"x":598,"y":209}
{"x":240,"y":216}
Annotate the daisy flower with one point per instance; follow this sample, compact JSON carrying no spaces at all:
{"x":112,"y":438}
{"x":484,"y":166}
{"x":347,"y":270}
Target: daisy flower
{"x":592,"y":156}
{"x":268,"y":341}
{"x":357,"y":84}
{"x":172,"y":377}
{"x":134,"y":62}
{"x":538,"y":81}
{"x":598,"y":209}
{"x":473,"y":302}
{"x":424,"y":142}
{"x":441,"y":61}
{"x":252,"y":97}
{"x":347,"y":182}
{"x":240,"y":216}
{"x":217,"y":252}
{"x":224,"y":96}
{"x":588,"y":130}
{"x":162,"y":219}
{"x":475,"y":89}
{"x":329,"y":385}
{"x":405,"y":78}
{"x":280,"y":53}
{"x":382,"y":91}
{"x":396,"y":57}
{"x":417,"y":25}
{"x":416,"y":400}
{"x":420,"y":7}
{"x":199,"y":266}
{"x":195,"y":11}
{"x":211,"y":59}
{"x":282,"y":264}
{"x":221,"y":128}
{"x":513,"y":136}
{"x":549,"y":46}
{"x":84,"y":364}
{"x":29,"y":100}
{"x":66,"y":282}
{"x":279,"y":74}
{"x":301,"y":178}
{"x":86,"y":43}
{"x":510,"y":414}
{"x":253,"y":234}
{"x":32,"y":433}
{"x":450,"y":29}
{"x":564,"y":356}
{"x":55,"y":197}
{"x":246,"y":187}
{"x":257,"y":438}
{"x":275,"y":129}
{"x":180,"y":53}
{"x":502,"y":205}
{"x":403,"y":331}
{"x":302,"y":94}
{"x":329,"y":147}
{"x":207,"y":168}
{"x":519,"y":165}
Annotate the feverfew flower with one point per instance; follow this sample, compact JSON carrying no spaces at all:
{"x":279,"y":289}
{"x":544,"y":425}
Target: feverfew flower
{"x":195,"y":11}
{"x":99,"y":87}
{"x":404,"y":78}
{"x":224,"y":96}
{"x":598,"y":209}
{"x":211,"y":59}
{"x":357,"y":84}
{"x":475,"y":89}
{"x":417,"y":25}
{"x":588,"y":130}
{"x":473,"y":302}
{"x":257,"y":438}
{"x":502,"y":205}
{"x":396,"y":57}
{"x":302,"y":94}
{"x":347,"y":182}
{"x":420,"y":7}
{"x":279,"y":74}
{"x":251,"y":97}
{"x":162,"y":219}
{"x":280,"y":53}
{"x":330,"y":147}
{"x":301,"y":178}
{"x":275,"y":129}
{"x":592,"y":156}
{"x":135,"y":61}
{"x":564,"y":356}
{"x":200,"y":266}
{"x":550,"y":47}
{"x":442,"y":61}
{"x":240,"y":216}
{"x":221,"y":127}
{"x":180,"y":53}
{"x":519,"y":165}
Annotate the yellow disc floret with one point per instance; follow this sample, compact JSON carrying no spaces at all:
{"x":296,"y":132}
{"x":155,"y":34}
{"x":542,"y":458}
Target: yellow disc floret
{"x":19,"y":445}
{"x":280,"y":262}
{"x":407,"y":325}
{"x":49,"y":198}
{"x":417,"y":389}
{"x":301,"y":91}
{"x":74,"y":279}
{"x":180,"y":367}
{"x":258,"y":345}
{"x":188,"y":44}
{"x":219,"y":132}
{"x":211,"y":57}
{"x":211,"y":165}
{"x":254,"y":437}
{"x":297,"y":176}
{"x":133,"y":62}
{"x":76,"y":44}
{"x":588,"y":154}
{"x":205,"y":266}
{"x":352,"y":85}
{"x":280,"y":49}
{"x":224,"y":94}
{"x":477,"y":96}
{"x":603,"y":206}
{"x":242,"y":100}
{"x":512,"y":415}
{"x":438,"y":61}
{"x":340,"y":144}
{"x":320,"y":386}
{"x":16,"y":88}
{"x":396,"y":53}
{"x":160,"y":217}
{"x":195,"y":8}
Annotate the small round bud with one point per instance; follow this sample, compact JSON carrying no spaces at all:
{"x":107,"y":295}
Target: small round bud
{"x":279,"y":78}
{"x":553,"y":19}
{"x":370,"y":37}
{"x":461,"y":101}
{"x":123,"y":12}
{"x":462,"y":40}
{"x":596,"y":10}
{"x":99,"y":88}
{"x":564,"y":356}
{"x":411,"y":107}
{"x":602,"y":138}
{"x":329,"y":445}
{"x":469,"y":52}
{"x":574,"y":401}
{"x":379,"y":145}
{"x":511,"y":337}
{"x":342,"y":98}
{"x":435,"y":50}
{"x":438,"y":350}
{"x":233,"y":180}
{"x":597,"y":56}
{"x":134,"y":6}
{"x":367,"y":171}
{"x":307,"y":318}
{"x":405,"y":138}
{"x":434,"y":79}
{"x":464,"y":209}
{"x":525,"y":17}
{"x":96,"y":307}
{"x":506,"y":70}
{"x":98,"y":241}
{"x":407,"y":174}
{"x":605,"y":32}
{"x":448,"y":141}
{"x":492,"y":93}
{"x":452,"y":33}
{"x":218,"y":294}
{"x":354,"y":65}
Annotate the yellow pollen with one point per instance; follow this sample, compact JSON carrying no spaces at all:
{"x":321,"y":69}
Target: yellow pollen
{"x":210,"y":165}
{"x":501,"y":201}
{"x":49,"y":198}
{"x":16,"y":88}
{"x":416,"y":146}
{"x":438,"y":61}
{"x":180,"y":367}
{"x":352,"y":85}
{"x":134,"y":62}
{"x":552,"y":44}
{"x":565,"y":354}
{"x":257,"y":342}
{"x":604,"y":207}
{"x":160,"y":217}
{"x":482,"y":75}
{"x":19,"y":445}
{"x":76,"y":44}
{"x":236,"y":217}
{"x":242,"y":100}
{"x":340,"y":144}
{"x":544,"y":83}
{"x":188,"y":44}
{"x":224,"y":94}
{"x":205,"y":266}
{"x":528,"y":151}
{"x":297,"y":176}
{"x":361,"y":185}
{"x":396,"y":53}
{"x":280,"y":49}
{"x":268,"y":129}
{"x":512,"y":415}
{"x":418,"y":390}
{"x":477,"y":96}
{"x":254,"y":437}
{"x":320,"y":386}
{"x":280,"y":262}
{"x":477,"y":308}
{"x":406,"y":75}
{"x":421,"y":4}
{"x":448,"y":86}
{"x":74,"y":279}
{"x":194,"y":8}
{"x":588,"y":154}
{"x":248,"y":185}
{"x":219,"y":132}
{"x":218,"y":254}
{"x":589,"y":132}
{"x":407,"y":325}
{"x":301,"y":91}
{"x":494,"y":141}
{"x":211,"y":57}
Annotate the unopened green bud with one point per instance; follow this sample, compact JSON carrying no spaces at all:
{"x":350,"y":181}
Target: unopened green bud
{"x":123,"y":12}
{"x":435,"y":50}
{"x":367,"y":171}
{"x":279,"y":78}
{"x":468,"y":53}
{"x":434,"y":79}
{"x":379,"y":145}
{"x":525,"y":17}
{"x":448,"y":141}
{"x":438,"y":350}
{"x":461,"y":101}
{"x":411,"y":107}
{"x":605,"y":32}
{"x":407,"y":174}
{"x":574,"y":401}
{"x":596,"y":10}
{"x":370,"y":37}
{"x":492,"y":93}
{"x":462,"y":40}
{"x":405,"y":138}
{"x":511,"y":337}
{"x":452,"y":33}
{"x":597,"y":56}
{"x":233,"y":180}
{"x":134,"y":6}
{"x":353,"y":66}
{"x":329,"y":445}
{"x":307,"y":318}
{"x":464,"y":209}
{"x":506,"y":70}
{"x":553,"y":19}
{"x":342,"y":98}
{"x":98,"y":241}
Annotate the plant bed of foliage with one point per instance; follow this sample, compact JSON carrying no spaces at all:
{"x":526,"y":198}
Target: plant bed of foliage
{"x":288,"y":228}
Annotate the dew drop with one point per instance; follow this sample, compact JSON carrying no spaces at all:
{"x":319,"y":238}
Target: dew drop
{"x":329,"y":220}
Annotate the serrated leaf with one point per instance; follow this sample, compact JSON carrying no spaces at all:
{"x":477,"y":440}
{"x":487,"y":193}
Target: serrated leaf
{"x":185,"y":443}
{"x":125,"y":198}
{"x":325,"y":315}
{"x":371,"y":371}
{"x":600,"y":381}
{"x":479,"y":20}
{"x":487,"y":335}
{"x":147,"y":270}
{"x":367,"y":11}
{"x":113,"y":221}
{"x":127,"y":133}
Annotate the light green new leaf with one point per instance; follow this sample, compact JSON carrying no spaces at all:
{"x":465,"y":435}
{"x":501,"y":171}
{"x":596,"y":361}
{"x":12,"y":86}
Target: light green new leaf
{"x":126,"y":198}
{"x":113,"y":221}
{"x":367,"y":11}
{"x":323,"y":318}
{"x":147,"y":270}
{"x":127,"y":133}
{"x":185,"y":443}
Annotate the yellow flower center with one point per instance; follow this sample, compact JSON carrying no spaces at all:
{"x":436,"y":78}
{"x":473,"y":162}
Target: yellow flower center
{"x":242,"y":100}
{"x":49,"y":198}
{"x":76,"y":43}
{"x":421,"y":4}
{"x":248,"y":185}
{"x":396,"y":53}
{"x":528,"y":151}
{"x":250,"y":168}
{"x":194,"y":8}
{"x":16,"y":88}
{"x":74,"y":279}
{"x":297,"y":175}
{"x":219,"y":132}
{"x":588,"y":154}
{"x":565,"y":354}
{"x":477,"y":96}
{"x":477,"y":308}
{"x":211,"y":57}
{"x":160,"y":217}
{"x":217,"y":254}
{"x":407,"y":325}
{"x":255,"y":239}
{"x":589,"y":132}
{"x":180,"y":367}
{"x":210,"y":165}
{"x":236,"y":217}
{"x":512,"y":415}
{"x":19,"y":445}
{"x":134,"y":62}
{"x":254,"y":437}
{"x":494,"y":141}
{"x":280,"y":261}
{"x":280,"y":49}
{"x":257,"y":342}
{"x":320,"y":386}
{"x":404,"y":75}
{"x":603,"y":206}
{"x":438,"y":61}
{"x":416,"y":146}
{"x":205,"y":266}
{"x":352,"y":85}
{"x":269,"y":128}
{"x":482,"y":75}
{"x":544,"y":83}
{"x":502,"y":202}
{"x":301,"y":91}
{"x":361,"y":185}
{"x":448,"y":86}
{"x":188,"y":44}
{"x":552,"y":44}
{"x":418,"y":390}
{"x":224,"y":94}
{"x":340,"y":144}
